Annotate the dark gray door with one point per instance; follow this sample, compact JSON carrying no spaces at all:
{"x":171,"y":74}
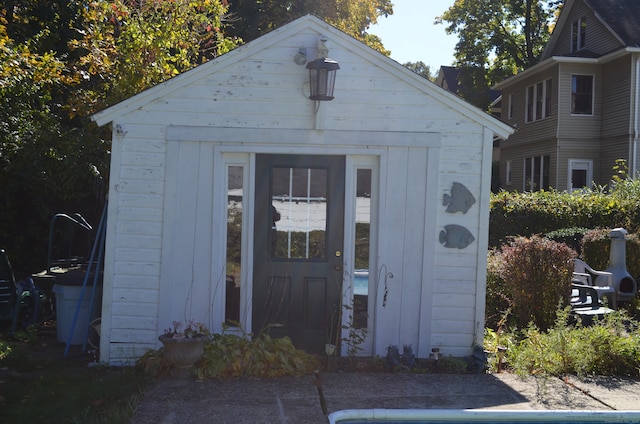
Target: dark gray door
{"x":298,"y":246}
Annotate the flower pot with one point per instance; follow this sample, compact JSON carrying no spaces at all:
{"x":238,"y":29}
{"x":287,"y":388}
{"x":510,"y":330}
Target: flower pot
{"x":182,"y":354}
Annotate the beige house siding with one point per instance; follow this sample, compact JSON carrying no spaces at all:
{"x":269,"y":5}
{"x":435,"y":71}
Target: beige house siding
{"x":612,"y":149}
{"x":517,"y":154}
{"x":611,"y":132}
{"x":585,"y":148}
{"x":578,"y":126}
{"x":531,"y":131}
{"x":598,"y":38}
{"x":617,"y":99}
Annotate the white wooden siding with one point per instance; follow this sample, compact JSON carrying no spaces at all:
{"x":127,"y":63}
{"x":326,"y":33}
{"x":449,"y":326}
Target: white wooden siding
{"x":164,"y":260}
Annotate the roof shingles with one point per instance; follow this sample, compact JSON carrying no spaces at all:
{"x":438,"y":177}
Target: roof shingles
{"x":623,"y":16}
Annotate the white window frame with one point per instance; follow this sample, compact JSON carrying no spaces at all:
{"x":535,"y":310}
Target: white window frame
{"x":543,"y":89}
{"x":583,"y":165}
{"x":508,"y":176}
{"x":545,"y":163}
{"x":593,"y":94}
{"x":578,"y":34}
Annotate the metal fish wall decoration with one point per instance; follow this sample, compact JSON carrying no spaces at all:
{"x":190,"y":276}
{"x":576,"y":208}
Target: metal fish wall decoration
{"x":460,"y":199}
{"x":456,"y":236}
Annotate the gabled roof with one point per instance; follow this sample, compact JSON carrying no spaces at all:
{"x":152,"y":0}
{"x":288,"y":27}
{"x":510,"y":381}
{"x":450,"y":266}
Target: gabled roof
{"x":337,"y":37}
{"x":448,"y":75}
{"x":620,"y":17}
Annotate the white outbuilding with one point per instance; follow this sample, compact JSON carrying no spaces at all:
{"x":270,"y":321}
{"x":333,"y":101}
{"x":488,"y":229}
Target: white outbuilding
{"x":234,"y":197}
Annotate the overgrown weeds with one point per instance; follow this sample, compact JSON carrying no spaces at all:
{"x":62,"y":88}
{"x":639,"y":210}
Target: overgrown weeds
{"x":610,"y":346}
{"x":233,"y":356}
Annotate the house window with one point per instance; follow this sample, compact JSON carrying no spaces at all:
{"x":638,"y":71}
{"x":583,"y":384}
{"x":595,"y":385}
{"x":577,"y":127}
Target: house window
{"x":578,"y":34}
{"x":539,"y":100}
{"x":508,"y":179}
{"x":582,"y":94}
{"x":536,"y":173}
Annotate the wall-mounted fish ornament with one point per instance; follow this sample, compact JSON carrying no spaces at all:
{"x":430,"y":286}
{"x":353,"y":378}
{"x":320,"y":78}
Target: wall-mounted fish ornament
{"x":456,"y":236}
{"x":460,"y":199}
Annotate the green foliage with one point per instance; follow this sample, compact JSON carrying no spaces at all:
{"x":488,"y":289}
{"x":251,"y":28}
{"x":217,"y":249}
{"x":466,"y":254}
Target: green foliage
{"x":355,"y":334}
{"x":496,"y":344}
{"x":541,"y":212}
{"x":532,"y":276}
{"x":497,"y":39}
{"x":610,"y":346}
{"x":61,"y":61}
{"x":49,"y":163}
{"x":255,"y":18}
{"x":421,"y":69}
{"x":130,"y":46}
{"x":596,"y":246}
{"x":498,"y":302}
{"x":231,"y":356}
{"x":572,"y":237}
{"x":299,"y":244}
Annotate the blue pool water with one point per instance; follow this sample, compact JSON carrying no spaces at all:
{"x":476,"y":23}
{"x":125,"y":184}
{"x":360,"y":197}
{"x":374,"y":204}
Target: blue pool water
{"x":361,"y":282}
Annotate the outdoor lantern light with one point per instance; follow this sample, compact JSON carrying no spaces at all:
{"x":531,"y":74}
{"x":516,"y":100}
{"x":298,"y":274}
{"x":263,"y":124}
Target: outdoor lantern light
{"x":322,"y":77}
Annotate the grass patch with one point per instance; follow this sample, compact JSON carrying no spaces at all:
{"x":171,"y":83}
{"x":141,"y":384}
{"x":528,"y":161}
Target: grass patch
{"x":40,"y":388}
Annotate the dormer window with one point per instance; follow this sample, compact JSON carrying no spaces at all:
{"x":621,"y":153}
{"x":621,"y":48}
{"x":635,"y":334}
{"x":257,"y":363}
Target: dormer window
{"x":578,"y":34}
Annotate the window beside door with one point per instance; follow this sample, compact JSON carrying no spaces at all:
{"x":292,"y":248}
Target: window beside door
{"x":361,"y":248}
{"x":233,"y":280}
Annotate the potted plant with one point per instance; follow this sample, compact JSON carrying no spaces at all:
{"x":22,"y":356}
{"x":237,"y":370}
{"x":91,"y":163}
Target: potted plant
{"x":183,"y":346}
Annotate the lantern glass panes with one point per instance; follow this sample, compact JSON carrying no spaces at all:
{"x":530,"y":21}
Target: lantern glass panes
{"x":322,"y":77}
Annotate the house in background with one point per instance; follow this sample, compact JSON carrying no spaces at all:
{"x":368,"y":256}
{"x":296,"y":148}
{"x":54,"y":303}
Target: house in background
{"x":577,"y":110}
{"x":234,"y":197}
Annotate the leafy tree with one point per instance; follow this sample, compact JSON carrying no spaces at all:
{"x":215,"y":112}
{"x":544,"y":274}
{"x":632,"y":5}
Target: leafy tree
{"x":62,"y":60}
{"x":46,"y":163}
{"x":421,"y":69}
{"x":128,"y":45}
{"x":252,"y":19}
{"x":497,"y":38}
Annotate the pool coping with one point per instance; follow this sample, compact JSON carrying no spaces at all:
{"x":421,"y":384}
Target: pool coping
{"x":474,"y":415}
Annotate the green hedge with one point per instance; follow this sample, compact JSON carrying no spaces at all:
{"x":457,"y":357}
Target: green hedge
{"x":580,"y":220}
{"x":541,"y":212}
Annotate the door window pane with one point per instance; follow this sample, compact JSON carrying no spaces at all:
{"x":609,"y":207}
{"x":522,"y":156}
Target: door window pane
{"x":298,"y":213}
{"x":578,"y":178}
